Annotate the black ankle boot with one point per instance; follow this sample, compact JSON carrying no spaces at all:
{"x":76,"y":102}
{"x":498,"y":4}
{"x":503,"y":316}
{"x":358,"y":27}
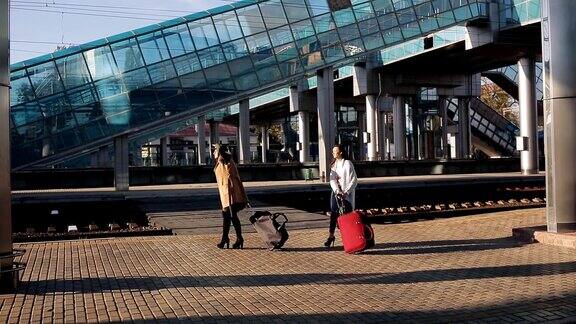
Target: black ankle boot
{"x":225,"y":241}
{"x":239,"y":244}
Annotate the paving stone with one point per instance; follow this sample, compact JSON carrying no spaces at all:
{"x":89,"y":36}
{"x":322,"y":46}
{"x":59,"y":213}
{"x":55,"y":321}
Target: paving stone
{"x":449,"y":270}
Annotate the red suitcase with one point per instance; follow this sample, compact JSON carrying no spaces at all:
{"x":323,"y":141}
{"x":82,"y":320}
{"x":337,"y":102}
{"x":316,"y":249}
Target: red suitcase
{"x":356,"y":235}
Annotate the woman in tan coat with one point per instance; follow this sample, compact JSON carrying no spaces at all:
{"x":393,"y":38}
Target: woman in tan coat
{"x":232,"y":195}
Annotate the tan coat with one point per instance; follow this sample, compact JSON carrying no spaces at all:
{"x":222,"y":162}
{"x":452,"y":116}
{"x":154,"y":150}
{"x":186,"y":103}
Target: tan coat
{"x":229,"y":184}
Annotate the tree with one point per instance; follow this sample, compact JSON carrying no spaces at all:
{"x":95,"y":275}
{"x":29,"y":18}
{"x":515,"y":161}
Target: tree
{"x":500,"y":101}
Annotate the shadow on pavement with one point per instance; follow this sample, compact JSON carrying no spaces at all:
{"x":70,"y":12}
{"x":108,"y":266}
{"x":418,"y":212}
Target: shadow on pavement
{"x":93,"y":285}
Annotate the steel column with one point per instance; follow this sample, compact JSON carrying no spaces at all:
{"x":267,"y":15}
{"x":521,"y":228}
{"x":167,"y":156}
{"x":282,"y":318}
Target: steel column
{"x":121,"y":167}
{"x":264,"y":131}
{"x":325,"y":90}
{"x":371,"y":111}
{"x":244,"y":132}
{"x":200,"y":130}
{"x":304,"y":135}
{"x":399,"y":120}
{"x":528,"y":114}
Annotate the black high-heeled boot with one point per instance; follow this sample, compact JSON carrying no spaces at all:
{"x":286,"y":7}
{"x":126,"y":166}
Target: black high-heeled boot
{"x":239,"y":244}
{"x":330,"y":241}
{"x":225,"y":230}
{"x":238,"y":228}
{"x":225,"y":241}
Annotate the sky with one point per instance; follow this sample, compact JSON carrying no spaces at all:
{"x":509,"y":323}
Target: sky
{"x":37,"y":27}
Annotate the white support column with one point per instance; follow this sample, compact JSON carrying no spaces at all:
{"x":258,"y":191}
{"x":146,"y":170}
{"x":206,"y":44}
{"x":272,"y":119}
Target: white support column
{"x":371,"y":111}
{"x":244,"y":132}
{"x":121,"y":167}
{"x":443,"y":105}
{"x":214,"y":132}
{"x":164,"y":142}
{"x":558,"y":48}
{"x":325,"y":90}
{"x":399,"y":118}
{"x":264,"y":131}
{"x":200,"y":130}
{"x":463,"y":148}
{"x":528,"y":115}
{"x":8,"y":279}
{"x":304,"y":135}
{"x":360,"y":141}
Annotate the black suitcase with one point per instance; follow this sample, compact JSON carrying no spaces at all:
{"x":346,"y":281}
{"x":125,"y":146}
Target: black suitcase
{"x":272,"y":232}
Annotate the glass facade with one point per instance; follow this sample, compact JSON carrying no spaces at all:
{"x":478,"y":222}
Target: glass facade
{"x":202,"y":61}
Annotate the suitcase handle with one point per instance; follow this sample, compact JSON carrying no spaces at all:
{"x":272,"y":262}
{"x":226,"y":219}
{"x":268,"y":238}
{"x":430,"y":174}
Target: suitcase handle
{"x":371,"y":231}
{"x":276,"y":215}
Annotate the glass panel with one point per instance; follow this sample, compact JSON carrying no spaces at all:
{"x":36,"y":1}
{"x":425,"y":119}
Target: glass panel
{"x":94,"y":130}
{"x":363,"y":11}
{"x":187,"y":64}
{"x":308,"y":45}
{"x":235,"y":49}
{"x":195,"y":88}
{"x":153,"y":48}
{"x":273,"y":14}
{"x":286,"y":52}
{"x":318,"y":7}
{"x":373,"y":41}
{"x":203,"y":33}
{"x":353,"y":47}
{"x":227,"y":26}
{"x":462,"y":13}
{"x":26,"y":113}
{"x":127,"y":55}
{"x":446,"y":19}
{"x":392,"y":36}
{"x":240,"y":66}
{"x":179,"y":40}
{"x":211,"y":56}
{"x":290,"y":67}
{"x":60,"y":122}
{"x":388,"y":21}
{"x":324,"y":23}
{"x":45,"y":79}
{"x":246,"y":82}
{"x":73,"y":70}
{"x":67,"y":139}
{"x":281,"y":35}
{"x":110,"y":87}
{"x":411,"y":29}
{"x":136,"y":79}
{"x":86,"y":114}
{"x":329,"y":38}
{"x":100,"y":63}
{"x":344,"y":17}
{"x":116,"y":110}
{"x":441,"y":5}
{"x":313,"y":60}
{"x":349,"y":32}
{"x":21,"y":90}
{"x":54,"y":105}
{"x":302,"y":29}
{"x":295,"y":10}
{"x":165,"y":89}
{"x":250,"y":20}
{"x":369,"y":26}
{"x":269,"y":74}
{"x":406,"y":16}
{"x":401,"y":4}
{"x":162,"y":72}
{"x":383,"y":6}
{"x":83,"y":96}
{"x":333,"y":53}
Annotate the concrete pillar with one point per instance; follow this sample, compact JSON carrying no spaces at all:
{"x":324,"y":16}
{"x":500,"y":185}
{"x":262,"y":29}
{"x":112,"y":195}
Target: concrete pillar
{"x":463,"y":148}
{"x":264,"y":131}
{"x":528,"y":115}
{"x":121,"y":167}
{"x":443,"y":106}
{"x":8,"y":279}
{"x":304,"y":135}
{"x":360,"y":140}
{"x":399,"y":117}
{"x":244,"y":132}
{"x":558,"y":48}
{"x":201,"y":139}
{"x":325,"y":90}
{"x":164,"y":158}
{"x":371,"y":111}
{"x":214,"y":133}
{"x":382,"y":135}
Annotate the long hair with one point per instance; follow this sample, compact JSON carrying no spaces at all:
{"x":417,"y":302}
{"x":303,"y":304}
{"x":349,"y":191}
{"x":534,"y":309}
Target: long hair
{"x":342,"y":150}
{"x":224,"y":156}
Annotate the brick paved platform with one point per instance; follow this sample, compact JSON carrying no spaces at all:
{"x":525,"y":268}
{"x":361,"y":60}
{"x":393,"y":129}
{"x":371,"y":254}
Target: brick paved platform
{"x":459,"y":269}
